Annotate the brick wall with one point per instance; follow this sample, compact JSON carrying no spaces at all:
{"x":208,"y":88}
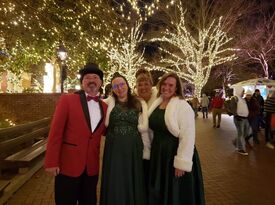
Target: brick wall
{"x":25,"y":107}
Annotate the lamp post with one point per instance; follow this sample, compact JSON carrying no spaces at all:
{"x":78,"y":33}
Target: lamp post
{"x":62,"y":55}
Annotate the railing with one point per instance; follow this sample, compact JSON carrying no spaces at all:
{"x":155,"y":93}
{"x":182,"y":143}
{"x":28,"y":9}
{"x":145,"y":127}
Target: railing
{"x":22,"y":149}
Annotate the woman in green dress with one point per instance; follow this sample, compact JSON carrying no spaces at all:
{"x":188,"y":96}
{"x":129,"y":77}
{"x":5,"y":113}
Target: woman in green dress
{"x":175,"y":174}
{"x":122,"y":171}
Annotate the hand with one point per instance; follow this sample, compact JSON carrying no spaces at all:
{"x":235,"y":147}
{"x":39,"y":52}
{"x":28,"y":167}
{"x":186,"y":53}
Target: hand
{"x":53,"y":171}
{"x":179,"y":173}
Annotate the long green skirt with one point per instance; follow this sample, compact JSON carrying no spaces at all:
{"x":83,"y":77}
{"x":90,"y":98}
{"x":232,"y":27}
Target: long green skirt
{"x":122,"y":170}
{"x":164,"y":187}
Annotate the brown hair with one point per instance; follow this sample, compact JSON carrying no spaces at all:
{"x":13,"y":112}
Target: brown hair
{"x":132,"y":101}
{"x":143,"y":75}
{"x":178,"y":84}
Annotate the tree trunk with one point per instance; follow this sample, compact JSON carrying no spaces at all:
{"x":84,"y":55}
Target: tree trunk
{"x":197,"y":90}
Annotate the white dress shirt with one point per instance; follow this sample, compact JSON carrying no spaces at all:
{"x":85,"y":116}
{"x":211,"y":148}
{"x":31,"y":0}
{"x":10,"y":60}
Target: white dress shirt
{"x":94,"y":112}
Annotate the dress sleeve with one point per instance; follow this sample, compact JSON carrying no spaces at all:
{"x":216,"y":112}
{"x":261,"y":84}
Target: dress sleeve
{"x":143,"y":129}
{"x":186,"y":122}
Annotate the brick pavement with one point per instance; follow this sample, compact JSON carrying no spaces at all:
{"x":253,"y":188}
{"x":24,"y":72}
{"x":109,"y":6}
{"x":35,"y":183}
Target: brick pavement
{"x":229,"y":178}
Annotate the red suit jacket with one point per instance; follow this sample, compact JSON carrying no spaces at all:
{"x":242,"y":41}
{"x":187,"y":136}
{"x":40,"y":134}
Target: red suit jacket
{"x":72,"y":146}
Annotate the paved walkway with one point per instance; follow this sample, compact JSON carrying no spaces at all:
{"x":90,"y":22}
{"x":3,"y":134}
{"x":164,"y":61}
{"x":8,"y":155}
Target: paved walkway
{"x":229,"y":178}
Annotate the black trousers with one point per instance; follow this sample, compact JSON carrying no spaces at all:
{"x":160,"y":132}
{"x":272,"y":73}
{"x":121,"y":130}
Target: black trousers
{"x":70,"y":190}
{"x":268,"y":131}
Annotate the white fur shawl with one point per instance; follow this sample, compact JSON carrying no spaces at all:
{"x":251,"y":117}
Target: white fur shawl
{"x":179,"y":119}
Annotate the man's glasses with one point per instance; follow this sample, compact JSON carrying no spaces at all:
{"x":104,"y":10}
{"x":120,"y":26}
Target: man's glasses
{"x":117,"y":86}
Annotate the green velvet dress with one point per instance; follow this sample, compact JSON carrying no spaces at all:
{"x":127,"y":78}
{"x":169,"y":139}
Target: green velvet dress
{"x":164,"y":187}
{"x":122,"y":171}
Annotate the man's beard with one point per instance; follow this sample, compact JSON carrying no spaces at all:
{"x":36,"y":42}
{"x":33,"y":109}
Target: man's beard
{"x":92,"y":86}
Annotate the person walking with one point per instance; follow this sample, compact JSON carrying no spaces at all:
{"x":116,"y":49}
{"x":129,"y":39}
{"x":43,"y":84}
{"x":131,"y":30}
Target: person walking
{"x":195,"y":105}
{"x":269,"y":108}
{"x":204,"y":105}
{"x":122,"y":171}
{"x":254,"y":111}
{"x":175,"y":172}
{"x":217,"y":109}
{"x":240,"y":112}
{"x":72,"y":154}
{"x":260,"y":99}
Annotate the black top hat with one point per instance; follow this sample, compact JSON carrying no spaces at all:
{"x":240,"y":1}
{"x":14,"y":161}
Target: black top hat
{"x":90,"y":68}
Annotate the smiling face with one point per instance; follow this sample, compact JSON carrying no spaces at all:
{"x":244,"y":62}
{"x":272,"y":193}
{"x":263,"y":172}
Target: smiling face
{"x":120,"y":88}
{"x":168,"y":88}
{"x":91,"y":83}
{"x":144,"y":89}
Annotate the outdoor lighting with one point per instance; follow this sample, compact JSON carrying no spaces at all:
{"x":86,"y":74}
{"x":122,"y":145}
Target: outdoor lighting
{"x":48,"y":78}
{"x":62,"y":55}
{"x":62,"y":52}
{"x":77,"y":87}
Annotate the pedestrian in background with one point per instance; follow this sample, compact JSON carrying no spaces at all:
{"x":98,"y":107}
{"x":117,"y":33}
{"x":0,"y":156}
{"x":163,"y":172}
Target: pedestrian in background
{"x":260,"y":99}
{"x":254,"y":111}
{"x":269,"y":108}
{"x":107,"y":90}
{"x":217,"y":109}
{"x":72,"y":154}
{"x":175,"y":171}
{"x":204,"y":105}
{"x":195,"y":105}
{"x":240,"y":112}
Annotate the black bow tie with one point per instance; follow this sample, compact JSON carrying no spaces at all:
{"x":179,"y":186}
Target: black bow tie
{"x":95,"y":98}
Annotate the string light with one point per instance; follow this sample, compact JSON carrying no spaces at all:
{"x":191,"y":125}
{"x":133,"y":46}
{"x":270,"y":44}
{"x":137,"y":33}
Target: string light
{"x":195,"y":57}
{"x":124,"y":58}
{"x":33,"y":31}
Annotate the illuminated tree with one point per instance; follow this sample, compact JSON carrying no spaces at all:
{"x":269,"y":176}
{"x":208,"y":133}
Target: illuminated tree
{"x":125,"y":58}
{"x":193,"y":56}
{"x":88,"y":29}
{"x":93,"y":31}
{"x":197,"y":35}
{"x":226,"y":74}
{"x":259,"y":43}
{"x":84,"y":28}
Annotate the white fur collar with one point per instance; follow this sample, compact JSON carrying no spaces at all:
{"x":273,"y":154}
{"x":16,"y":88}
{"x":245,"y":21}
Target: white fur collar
{"x":143,"y":118}
{"x":179,"y":120}
{"x":170,"y":116}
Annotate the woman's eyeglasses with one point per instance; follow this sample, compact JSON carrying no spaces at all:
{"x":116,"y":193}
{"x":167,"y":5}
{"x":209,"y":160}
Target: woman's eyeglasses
{"x":117,"y":86}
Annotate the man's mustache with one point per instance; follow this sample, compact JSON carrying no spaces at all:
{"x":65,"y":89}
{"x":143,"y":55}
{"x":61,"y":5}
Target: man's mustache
{"x":91,"y":83}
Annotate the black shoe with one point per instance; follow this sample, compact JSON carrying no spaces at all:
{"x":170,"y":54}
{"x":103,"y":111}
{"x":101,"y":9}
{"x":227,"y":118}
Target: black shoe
{"x":242,"y":152}
{"x":214,"y":126}
{"x":218,"y":126}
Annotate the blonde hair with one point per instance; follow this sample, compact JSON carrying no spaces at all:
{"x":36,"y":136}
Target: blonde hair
{"x":143,"y":75}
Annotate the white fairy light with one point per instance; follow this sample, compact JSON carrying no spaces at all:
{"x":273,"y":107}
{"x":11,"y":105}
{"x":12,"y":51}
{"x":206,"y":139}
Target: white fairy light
{"x":195,"y":56}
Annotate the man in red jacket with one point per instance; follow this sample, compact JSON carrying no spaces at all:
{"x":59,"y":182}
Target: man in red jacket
{"x":72,"y":154}
{"x":217,"y":108}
